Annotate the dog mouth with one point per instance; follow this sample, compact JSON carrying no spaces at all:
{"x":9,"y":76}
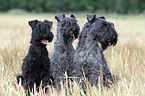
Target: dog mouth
{"x":44,"y":41}
{"x":72,"y":35}
{"x":105,"y":46}
{"x":111,"y":45}
{"x":113,"y":42}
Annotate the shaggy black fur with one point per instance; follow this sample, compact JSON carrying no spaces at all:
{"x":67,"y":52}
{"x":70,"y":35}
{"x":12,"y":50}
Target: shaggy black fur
{"x":61,"y":57}
{"x":89,"y":56}
{"x":36,"y":64}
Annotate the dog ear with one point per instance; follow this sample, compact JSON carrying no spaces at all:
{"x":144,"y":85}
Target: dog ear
{"x":90,"y":18}
{"x":59,"y":17}
{"x":48,"y":22}
{"x":33,"y":23}
{"x":72,"y":16}
{"x":102,"y":17}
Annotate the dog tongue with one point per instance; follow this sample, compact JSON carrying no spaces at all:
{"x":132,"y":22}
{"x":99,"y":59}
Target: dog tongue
{"x":44,"y":41}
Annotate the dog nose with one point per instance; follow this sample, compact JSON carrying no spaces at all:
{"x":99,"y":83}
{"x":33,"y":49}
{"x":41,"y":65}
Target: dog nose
{"x":44,"y":36}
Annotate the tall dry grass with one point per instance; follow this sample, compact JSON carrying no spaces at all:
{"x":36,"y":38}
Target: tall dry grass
{"x":126,"y":59}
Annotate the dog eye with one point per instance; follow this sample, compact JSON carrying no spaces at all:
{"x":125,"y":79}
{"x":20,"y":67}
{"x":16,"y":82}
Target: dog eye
{"x":62,"y":25}
{"x":104,"y":26}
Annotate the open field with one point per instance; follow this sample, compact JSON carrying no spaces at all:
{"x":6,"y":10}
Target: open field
{"x":126,"y":59}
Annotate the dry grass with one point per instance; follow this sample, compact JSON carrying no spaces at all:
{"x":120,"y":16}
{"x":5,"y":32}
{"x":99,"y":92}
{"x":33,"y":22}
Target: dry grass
{"x":126,"y":59}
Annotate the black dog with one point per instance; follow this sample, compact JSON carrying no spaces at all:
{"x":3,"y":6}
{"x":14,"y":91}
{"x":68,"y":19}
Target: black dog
{"x":36,"y":65}
{"x":89,"y":60}
{"x":61,"y":57}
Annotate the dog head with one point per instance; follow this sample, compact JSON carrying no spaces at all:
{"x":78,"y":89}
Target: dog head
{"x":103,"y":31}
{"x":68,"y":27}
{"x":41,"y":33}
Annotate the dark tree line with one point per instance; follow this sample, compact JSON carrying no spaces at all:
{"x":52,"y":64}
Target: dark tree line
{"x":118,"y":6}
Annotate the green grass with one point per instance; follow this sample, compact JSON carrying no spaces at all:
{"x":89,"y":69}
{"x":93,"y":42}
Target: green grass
{"x":126,"y":59}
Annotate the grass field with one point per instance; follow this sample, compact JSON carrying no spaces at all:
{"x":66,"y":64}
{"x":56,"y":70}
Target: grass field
{"x":126,"y":59}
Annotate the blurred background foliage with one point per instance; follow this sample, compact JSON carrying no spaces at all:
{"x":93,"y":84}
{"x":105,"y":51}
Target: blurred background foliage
{"x":107,"y":6}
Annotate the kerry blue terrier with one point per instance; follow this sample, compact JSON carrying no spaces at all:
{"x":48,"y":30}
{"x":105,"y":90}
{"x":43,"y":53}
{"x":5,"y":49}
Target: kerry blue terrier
{"x":61,"y":57}
{"x":89,"y":60}
{"x":36,"y":64}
